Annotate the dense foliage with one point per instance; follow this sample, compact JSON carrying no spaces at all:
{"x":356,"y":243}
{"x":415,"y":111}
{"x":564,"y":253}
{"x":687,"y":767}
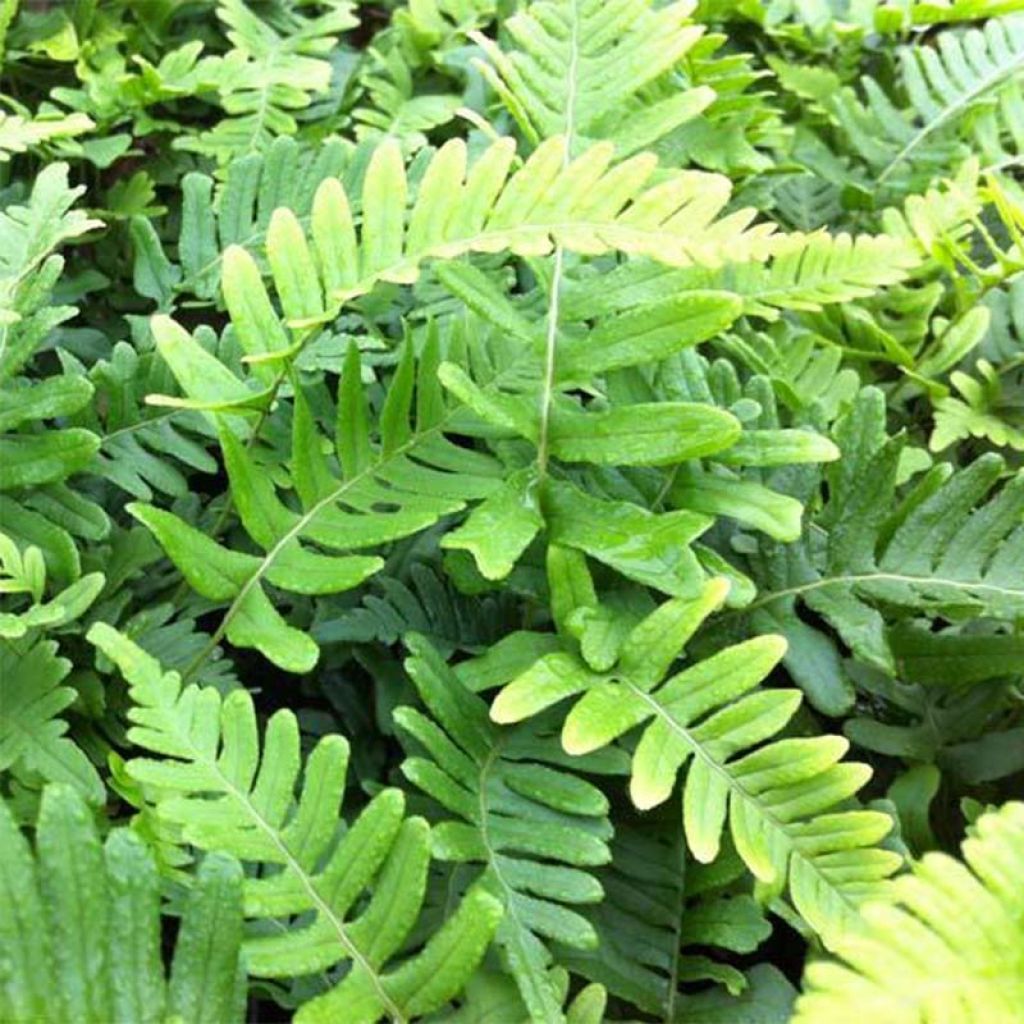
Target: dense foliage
{"x":512,"y":511}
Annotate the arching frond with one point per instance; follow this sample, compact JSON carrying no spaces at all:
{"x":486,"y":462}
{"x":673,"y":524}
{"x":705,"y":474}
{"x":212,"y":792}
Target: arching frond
{"x":211,"y":779}
{"x":782,"y":797}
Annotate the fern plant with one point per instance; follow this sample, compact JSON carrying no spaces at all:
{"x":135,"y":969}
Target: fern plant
{"x":534,"y":826}
{"x":511,"y":510}
{"x":779,"y":799}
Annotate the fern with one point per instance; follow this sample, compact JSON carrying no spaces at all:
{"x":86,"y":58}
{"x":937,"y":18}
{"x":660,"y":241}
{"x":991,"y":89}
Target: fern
{"x":267,"y":76}
{"x":534,"y":827}
{"x":967,"y":89}
{"x":411,"y":474}
{"x":34,"y":461}
{"x":612,"y":54}
{"x":651,"y":371}
{"x":33,"y":740}
{"x":805,"y":272}
{"x":946,"y":946}
{"x":237,"y":212}
{"x":212,"y":780}
{"x":780,"y":799}
{"x":19,"y":134}
{"x":80,"y":927}
{"x":656,"y":906}
{"x":944,"y":549}
{"x":209,"y":385}
{"x":423,"y":603}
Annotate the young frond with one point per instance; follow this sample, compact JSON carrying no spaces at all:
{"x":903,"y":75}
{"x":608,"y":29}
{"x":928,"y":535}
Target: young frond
{"x":210,"y":778}
{"x":947,"y":945}
{"x":783,"y":798}
{"x":80,"y":928}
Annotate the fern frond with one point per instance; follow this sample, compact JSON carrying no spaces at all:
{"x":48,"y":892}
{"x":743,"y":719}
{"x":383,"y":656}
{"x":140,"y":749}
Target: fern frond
{"x":366,"y":499}
{"x":963,"y":92}
{"x":804,"y":272}
{"x":947,"y":945}
{"x":33,"y":740}
{"x":211,"y":778}
{"x":36,"y":506}
{"x":952,"y":546}
{"x":656,"y":908}
{"x":586,"y":205}
{"x":612,"y":53}
{"x":782,"y":799}
{"x":423,"y":602}
{"x":236,"y":212}
{"x":534,"y":826}
{"x":267,"y":77}
{"x":984,"y":410}
{"x":918,"y":15}
{"x":20,"y":134}
{"x":80,"y":930}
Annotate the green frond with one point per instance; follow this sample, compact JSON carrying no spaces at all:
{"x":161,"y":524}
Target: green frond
{"x":952,"y":545}
{"x":21,"y":134}
{"x":948,"y":945}
{"x":534,"y":826}
{"x":422,"y":602}
{"x":782,"y":798}
{"x":657,"y":907}
{"x":964,"y":95}
{"x":211,"y":779}
{"x":491,"y":997}
{"x":36,"y":507}
{"x":268,"y":76}
{"x":804,"y":272}
{"x":983,"y":410}
{"x":363,"y":498}
{"x":236,"y":211}
{"x":918,"y":15}
{"x":80,"y":930}
{"x":142,"y":448}
{"x":33,"y":737}
{"x":946,"y":707}
{"x":613,"y":54}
